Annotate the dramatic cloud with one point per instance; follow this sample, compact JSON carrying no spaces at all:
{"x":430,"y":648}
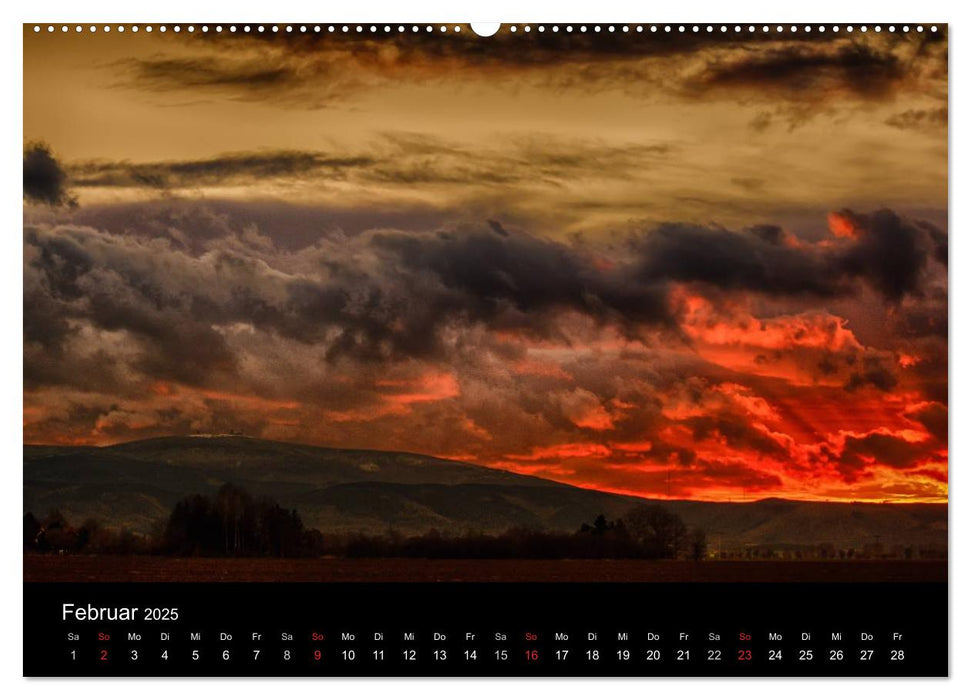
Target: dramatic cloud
{"x":881,"y":249}
{"x":301,"y":65}
{"x":861,"y":451}
{"x":677,"y":264}
{"x":933,"y":416}
{"x":380,"y":295}
{"x":394,"y":294}
{"x":522,"y":352}
{"x":45,"y":182}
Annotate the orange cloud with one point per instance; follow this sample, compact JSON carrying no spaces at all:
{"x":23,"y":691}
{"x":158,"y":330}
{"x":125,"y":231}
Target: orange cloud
{"x":841,"y":226}
{"x":397,"y":396}
{"x":540,"y":369}
{"x":585,"y":410}
{"x":428,"y":387}
{"x":906,"y":361}
{"x":565,"y":451}
{"x":737,"y":327}
{"x":256,"y":402}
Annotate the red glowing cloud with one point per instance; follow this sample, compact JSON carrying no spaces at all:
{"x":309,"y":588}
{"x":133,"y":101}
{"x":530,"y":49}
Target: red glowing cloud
{"x":596,"y":371}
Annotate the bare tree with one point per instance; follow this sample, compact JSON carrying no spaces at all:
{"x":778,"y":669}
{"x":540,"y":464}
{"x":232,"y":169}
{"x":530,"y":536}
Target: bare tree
{"x":660,"y":533}
{"x":698,"y":544}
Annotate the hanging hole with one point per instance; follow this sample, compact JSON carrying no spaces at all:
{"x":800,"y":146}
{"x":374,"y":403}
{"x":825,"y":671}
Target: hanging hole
{"x":485,"y":29}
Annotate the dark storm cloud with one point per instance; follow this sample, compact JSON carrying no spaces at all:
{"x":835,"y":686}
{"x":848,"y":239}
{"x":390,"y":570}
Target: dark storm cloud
{"x":106,"y":287}
{"x":737,"y":432}
{"x":95,"y":371}
{"x":875,"y":372}
{"x":931,"y":372}
{"x":926,"y":320}
{"x":859,"y":453}
{"x":62,"y":261}
{"x":421,"y":284}
{"x":390,"y":295}
{"x":933,"y":416}
{"x":497,"y":272}
{"x":376,"y":297}
{"x":45,"y":181}
{"x":174,"y":347}
{"x":768,"y":233}
{"x":890,"y":252}
{"x":887,"y":252}
{"x":733,"y":260}
{"x":44,"y":318}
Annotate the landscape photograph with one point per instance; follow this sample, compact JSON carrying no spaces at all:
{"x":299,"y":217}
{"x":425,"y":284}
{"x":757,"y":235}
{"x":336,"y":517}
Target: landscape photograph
{"x":612,"y":303}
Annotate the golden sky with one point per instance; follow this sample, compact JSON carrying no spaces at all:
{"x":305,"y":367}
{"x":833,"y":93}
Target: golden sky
{"x":665,"y":264}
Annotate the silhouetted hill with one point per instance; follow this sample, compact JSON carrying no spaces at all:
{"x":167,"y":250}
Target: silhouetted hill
{"x":137,"y":483}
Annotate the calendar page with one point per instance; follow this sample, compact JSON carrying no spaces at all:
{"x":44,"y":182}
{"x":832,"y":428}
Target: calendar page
{"x":434,"y":350}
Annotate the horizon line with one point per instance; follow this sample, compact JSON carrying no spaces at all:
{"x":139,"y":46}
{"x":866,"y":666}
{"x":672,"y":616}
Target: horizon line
{"x":618,"y":492}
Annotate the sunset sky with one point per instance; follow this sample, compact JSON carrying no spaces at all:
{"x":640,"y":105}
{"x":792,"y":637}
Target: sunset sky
{"x":678,"y":265}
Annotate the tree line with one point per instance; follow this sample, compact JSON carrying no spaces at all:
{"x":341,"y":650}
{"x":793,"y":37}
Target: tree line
{"x":234,"y":523}
{"x":647,"y":532}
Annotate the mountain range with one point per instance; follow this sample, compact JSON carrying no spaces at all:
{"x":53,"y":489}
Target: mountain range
{"x":135,"y":484}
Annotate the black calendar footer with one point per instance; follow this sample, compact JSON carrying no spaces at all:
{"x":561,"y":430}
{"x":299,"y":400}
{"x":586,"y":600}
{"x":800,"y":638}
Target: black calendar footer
{"x":485,"y":629}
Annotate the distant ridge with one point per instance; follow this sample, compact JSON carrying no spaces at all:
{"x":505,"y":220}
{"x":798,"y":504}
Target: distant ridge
{"x":136,"y":483}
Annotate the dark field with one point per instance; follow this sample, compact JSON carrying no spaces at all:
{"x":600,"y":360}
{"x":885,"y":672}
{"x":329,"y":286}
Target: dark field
{"x":79,"y":568}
